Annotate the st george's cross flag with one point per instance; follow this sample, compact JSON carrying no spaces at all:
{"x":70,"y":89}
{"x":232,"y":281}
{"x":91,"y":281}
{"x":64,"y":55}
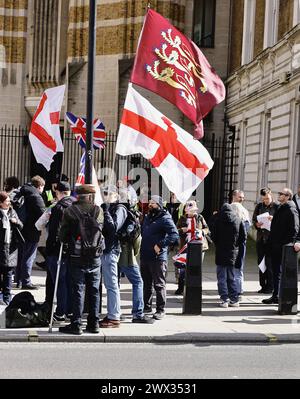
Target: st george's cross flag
{"x":78,"y":127}
{"x":172,"y":66}
{"x":181,"y":161}
{"x":44,"y":132}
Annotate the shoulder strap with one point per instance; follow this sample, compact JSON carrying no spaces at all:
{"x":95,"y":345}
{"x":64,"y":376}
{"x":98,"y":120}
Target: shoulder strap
{"x":76,"y":211}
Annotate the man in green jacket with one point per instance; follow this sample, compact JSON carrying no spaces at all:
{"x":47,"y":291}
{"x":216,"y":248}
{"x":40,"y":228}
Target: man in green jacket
{"x":129,"y":266}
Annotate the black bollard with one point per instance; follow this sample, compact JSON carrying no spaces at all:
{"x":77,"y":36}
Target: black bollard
{"x":192,"y":298}
{"x":288,"y":287}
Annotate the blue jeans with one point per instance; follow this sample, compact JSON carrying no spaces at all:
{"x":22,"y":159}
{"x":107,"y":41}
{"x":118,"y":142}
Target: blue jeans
{"x":89,"y":276}
{"x":28,"y":257}
{"x":6,"y":273}
{"x":227,"y":286}
{"x":64,"y":285}
{"x":134,"y":276}
{"x":239,"y":272}
{"x":110,"y":277}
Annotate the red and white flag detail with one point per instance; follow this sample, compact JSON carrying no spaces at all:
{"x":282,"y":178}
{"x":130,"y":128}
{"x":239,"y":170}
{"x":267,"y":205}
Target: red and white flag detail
{"x":44,"y":133}
{"x":182,"y":161}
{"x":172,"y":66}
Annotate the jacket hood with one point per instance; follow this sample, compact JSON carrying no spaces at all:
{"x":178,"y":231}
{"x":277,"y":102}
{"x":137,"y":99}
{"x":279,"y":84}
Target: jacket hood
{"x":227,"y":214}
{"x":28,"y":189}
{"x":66,"y":201}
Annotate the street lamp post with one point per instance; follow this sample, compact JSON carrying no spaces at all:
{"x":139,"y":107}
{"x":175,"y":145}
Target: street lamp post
{"x":90,"y":94}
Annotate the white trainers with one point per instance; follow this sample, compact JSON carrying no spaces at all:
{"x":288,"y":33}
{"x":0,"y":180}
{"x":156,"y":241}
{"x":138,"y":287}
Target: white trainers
{"x":234,"y":304}
{"x":224,"y":304}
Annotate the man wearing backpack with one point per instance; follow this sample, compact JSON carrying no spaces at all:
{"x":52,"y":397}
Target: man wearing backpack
{"x":115,"y":215}
{"x":158,"y":233}
{"x":32,"y":209}
{"x":81,"y":230}
{"x":63,"y":192}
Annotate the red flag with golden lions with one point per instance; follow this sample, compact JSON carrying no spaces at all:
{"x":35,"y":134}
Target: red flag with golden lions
{"x":172,"y":66}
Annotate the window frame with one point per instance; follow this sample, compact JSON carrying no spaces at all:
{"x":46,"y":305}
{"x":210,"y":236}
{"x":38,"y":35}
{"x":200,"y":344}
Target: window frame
{"x":213,"y":30}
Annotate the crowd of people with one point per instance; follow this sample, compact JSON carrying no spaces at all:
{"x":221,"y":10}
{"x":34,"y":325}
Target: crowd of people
{"x":134,"y":237}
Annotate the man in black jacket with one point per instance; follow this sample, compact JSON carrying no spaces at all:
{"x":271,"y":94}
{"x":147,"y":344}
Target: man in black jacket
{"x":63,"y":192}
{"x":84,"y":272}
{"x":262,"y":239}
{"x":284,"y":230}
{"x":227,"y":233}
{"x":35,"y":207}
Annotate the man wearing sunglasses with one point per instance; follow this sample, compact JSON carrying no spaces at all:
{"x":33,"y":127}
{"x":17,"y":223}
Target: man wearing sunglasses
{"x":284,"y":230}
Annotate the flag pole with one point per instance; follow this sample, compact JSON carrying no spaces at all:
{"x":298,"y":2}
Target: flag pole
{"x":90,"y":92}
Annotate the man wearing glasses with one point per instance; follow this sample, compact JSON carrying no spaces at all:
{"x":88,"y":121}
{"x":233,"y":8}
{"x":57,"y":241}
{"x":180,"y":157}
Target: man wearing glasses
{"x":284,"y":230}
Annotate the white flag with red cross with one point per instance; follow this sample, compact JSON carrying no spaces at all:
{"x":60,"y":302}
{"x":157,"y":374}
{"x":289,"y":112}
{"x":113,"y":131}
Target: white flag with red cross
{"x":44,"y":132}
{"x":181,"y":161}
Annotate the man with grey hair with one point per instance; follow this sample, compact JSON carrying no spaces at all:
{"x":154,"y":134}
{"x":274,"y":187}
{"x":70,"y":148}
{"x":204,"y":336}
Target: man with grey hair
{"x":284,"y":230}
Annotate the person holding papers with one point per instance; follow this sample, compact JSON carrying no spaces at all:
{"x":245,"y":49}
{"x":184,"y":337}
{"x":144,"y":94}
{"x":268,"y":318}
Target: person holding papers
{"x":284,"y":230}
{"x":262,"y":217}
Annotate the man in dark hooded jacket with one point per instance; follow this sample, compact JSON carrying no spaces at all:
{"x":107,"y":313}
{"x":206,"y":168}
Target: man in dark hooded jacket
{"x":158,"y":233}
{"x":35,"y":207}
{"x":227,"y":233}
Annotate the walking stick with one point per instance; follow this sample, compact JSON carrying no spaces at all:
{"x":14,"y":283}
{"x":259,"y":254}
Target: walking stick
{"x":55,"y":287}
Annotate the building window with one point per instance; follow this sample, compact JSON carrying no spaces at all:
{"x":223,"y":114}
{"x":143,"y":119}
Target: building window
{"x":271,"y":23}
{"x":266,"y":152}
{"x":297,"y":157}
{"x":296,"y":14}
{"x":204,"y":23}
{"x":249,"y":31}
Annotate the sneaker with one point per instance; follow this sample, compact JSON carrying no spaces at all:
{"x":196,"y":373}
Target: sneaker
{"x":224,"y":304}
{"x":93,"y":328}
{"x":30,"y":287}
{"x":56,"y":317}
{"x":122,"y":318}
{"x":144,"y":320}
{"x":240,"y":298}
{"x":269,"y":301}
{"x":74,"y":329}
{"x":148,"y":310}
{"x":234,"y":304}
{"x":159,"y":315}
{"x":108,"y":323}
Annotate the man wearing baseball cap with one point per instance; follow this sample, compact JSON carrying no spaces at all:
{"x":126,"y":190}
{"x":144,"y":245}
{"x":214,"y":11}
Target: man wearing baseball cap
{"x":83,"y":272}
{"x":158,"y":233}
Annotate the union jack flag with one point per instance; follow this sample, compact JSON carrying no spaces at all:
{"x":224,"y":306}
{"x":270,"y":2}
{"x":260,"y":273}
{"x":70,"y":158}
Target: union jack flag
{"x":81,"y":177}
{"x":78,"y":127}
{"x":180,"y":258}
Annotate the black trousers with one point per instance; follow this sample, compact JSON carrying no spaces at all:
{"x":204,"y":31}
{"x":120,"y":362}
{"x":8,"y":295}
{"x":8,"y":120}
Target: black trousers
{"x":266,"y":278}
{"x":154,"y":274}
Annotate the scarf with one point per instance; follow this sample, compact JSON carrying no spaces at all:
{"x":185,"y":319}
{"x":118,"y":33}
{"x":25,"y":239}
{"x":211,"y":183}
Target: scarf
{"x":6,"y":225}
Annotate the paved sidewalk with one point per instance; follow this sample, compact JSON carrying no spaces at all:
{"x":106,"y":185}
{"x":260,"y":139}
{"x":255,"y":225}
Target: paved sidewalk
{"x":252,"y":322}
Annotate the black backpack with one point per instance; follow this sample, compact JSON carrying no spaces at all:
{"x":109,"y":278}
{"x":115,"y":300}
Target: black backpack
{"x":131,"y":228}
{"x":24,"y":311}
{"x":90,"y":231}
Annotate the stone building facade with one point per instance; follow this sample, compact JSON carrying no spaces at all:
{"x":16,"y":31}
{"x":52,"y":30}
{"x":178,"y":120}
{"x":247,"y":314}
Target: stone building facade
{"x":263,"y":96}
{"x":45,"y":43}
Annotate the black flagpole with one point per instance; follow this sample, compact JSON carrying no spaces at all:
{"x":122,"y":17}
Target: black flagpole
{"x":88,"y":170}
